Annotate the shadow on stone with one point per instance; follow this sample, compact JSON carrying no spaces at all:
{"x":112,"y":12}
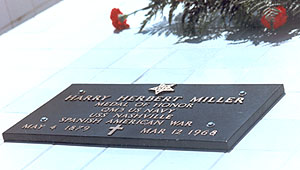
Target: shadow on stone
{"x":255,"y":34}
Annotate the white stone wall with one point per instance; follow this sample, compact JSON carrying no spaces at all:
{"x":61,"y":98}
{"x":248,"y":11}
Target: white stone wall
{"x":15,"y":12}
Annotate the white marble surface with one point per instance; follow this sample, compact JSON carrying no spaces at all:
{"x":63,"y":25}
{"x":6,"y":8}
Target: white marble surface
{"x":15,"y":12}
{"x":73,"y":42}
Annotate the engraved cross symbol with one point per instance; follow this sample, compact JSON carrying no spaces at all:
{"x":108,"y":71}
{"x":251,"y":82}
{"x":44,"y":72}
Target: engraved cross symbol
{"x":114,"y":129}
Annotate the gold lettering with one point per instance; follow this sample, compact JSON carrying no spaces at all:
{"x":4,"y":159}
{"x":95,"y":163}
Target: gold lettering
{"x":156,"y":116}
{"x":205,"y":99}
{"x":118,"y":109}
{"x":152,"y":131}
{"x":134,"y":110}
{"x":99,"y":104}
{"x":195,"y":99}
{"x":53,"y":127}
{"x":111,"y":104}
{"x":171,"y":111}
{"x":176,"y":105}
{"x":211,"y":100}
{"x":181,"y":123}
{"x":177,"y":98}
{"x":33,"y":127}
{"x":96,"y":98}
{"x":213,"y":133}
{"x":201,"y":99}
{"x":70,"y":97}
{"x":148,"y":110}
{"x":88,"y":98}
{"x":229,"y":100}
{"x":105,"y":97}
{"x":140,"y":98}
{"x":78,"y":98}
{"x":96,"y":121}
{"x":69,"y":119}
{"x":145,"y":130}
{"x":96,"y":115}
{"x":62,"y":120}
{"x":117,"y":104}
{"x":150,"y":99}
{"x":176,"y":131}
{"x":27,"y":126}
{"x":157,"y":105}
{"x":158,"y":98}
{"x":117,"y":121}
{"x":131,"y":122}
{"x":188,"y":123}
{"x":173,"y":104}
{"x":161,"y":131}
{"x":134,"y":122}
{"x":118,"y":115}
{"x":111,"y":109}
{"x":239,"y":100}
{"x":125,"y":121}
{"x":123,"y":98}
{"x":81,"y":120}
{"x":109,"y":121}
{"x":164,"y":110}
{"x":190,"y":105}
{"x":167,"y":99}
{"x":145,"y":116}
{"x":168,"y":117}
{"x":220,"y":100}
{"x":40,"y":127}
{"x":131,"y":98}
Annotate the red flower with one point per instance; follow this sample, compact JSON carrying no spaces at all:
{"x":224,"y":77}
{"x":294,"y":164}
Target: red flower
{"x":118,"y":19}
{"x":274,"y":18}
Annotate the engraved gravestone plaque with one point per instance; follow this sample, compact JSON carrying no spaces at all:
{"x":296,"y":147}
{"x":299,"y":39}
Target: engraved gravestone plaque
{"x":167,"y":116}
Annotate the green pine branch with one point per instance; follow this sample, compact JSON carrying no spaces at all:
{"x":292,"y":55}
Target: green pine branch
{"x":207,"y":19}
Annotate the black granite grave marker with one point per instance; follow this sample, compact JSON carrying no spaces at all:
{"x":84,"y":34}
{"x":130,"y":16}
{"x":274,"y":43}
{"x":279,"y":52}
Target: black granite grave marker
{"x":166,"y":116}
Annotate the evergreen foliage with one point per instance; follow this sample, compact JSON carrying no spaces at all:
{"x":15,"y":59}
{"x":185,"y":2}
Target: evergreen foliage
{"x":202,"y":20}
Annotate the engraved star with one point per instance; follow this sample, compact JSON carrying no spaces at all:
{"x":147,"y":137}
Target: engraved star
{"x":163,"y":88}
